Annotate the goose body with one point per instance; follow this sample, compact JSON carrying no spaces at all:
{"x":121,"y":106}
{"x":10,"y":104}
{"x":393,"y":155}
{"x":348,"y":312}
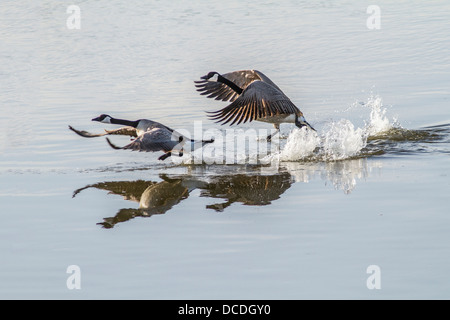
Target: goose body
{"x":150,"y":136}
{"x":253,"y":96}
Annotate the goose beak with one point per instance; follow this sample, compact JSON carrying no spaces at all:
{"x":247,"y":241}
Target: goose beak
{"x":96,"y":119}
{"x":303,"y":123}
{"x":309,"y":126}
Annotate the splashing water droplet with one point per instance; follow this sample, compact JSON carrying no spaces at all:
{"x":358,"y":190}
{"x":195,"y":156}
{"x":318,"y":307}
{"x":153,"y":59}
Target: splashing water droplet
{"x":301,"y":144}
{"x":343,"y":141}
{"x":378,"y":121}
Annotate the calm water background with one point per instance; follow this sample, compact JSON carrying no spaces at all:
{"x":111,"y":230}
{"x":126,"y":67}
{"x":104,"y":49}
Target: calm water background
{"x":306,"y":229}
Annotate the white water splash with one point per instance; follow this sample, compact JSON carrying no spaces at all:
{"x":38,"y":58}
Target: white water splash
{"x":342,"y":140}
{"x":300,"y":144}
{"x":378,"y":121}
{"x":339,"y":140}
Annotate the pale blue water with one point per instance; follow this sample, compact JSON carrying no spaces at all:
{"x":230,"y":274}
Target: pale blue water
{"x":305,"y":228}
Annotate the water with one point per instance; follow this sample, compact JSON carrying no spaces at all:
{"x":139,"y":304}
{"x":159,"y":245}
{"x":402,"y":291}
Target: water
{"x":305,"y":221}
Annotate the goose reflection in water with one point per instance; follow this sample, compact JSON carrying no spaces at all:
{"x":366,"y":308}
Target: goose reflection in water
{"x":160,"y":197}
{"x":258,"y":190}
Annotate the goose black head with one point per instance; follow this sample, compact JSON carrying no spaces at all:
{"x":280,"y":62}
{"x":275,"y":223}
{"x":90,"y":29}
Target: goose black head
{"x":210,"y":75}
{"x":104,"y":118}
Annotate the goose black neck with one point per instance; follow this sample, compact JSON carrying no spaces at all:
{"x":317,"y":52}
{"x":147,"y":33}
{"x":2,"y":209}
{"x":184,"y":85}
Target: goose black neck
{"x":133,"y":124}
{"x":229,"y":83}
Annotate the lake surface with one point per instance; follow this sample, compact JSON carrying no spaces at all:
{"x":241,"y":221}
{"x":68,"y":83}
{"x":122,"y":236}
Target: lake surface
{"x":309,"y":216}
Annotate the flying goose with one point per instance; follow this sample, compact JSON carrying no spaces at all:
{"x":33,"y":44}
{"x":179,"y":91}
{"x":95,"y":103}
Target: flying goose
{"x":253,"y":96}
{"x":150,"y":136}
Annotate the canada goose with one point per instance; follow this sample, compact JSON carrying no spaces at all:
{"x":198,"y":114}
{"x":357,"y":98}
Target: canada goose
{"x":253,"y":96}
{"x":160,"y":139}
{"x":150,"y":136}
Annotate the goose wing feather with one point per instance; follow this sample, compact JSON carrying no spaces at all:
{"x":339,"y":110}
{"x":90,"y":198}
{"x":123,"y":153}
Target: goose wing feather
{"x":242,"y":78}
{"x":127,"y":131}
{"x":258,"y":100}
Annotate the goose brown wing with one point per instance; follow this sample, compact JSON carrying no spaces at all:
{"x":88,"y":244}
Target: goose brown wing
{"x":221,"y":91}
{"x":127,"y":131}
{"x":259,"y":100}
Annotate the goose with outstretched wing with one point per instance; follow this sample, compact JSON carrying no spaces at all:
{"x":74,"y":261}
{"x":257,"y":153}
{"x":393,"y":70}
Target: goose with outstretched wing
{"x":253,"y":96}
{"x":150,"y":136}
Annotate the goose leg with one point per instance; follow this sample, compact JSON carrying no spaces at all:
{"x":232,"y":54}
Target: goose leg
{"x":165,"y":156}
{"x":277,"y":127}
